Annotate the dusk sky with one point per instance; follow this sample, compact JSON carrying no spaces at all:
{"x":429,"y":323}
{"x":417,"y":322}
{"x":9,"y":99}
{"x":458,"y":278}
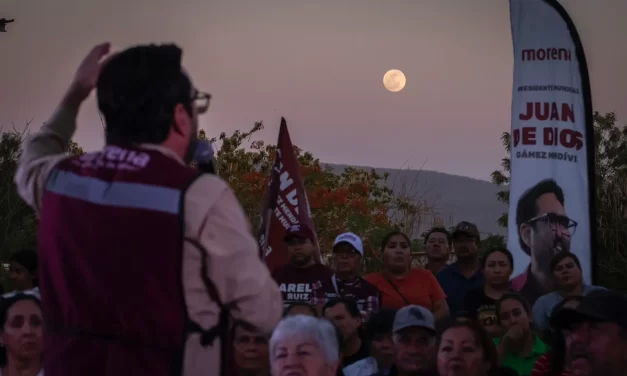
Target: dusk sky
{"x":319,"y":64}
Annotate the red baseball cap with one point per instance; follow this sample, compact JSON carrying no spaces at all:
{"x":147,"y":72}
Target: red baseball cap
{"x":299,"y":231}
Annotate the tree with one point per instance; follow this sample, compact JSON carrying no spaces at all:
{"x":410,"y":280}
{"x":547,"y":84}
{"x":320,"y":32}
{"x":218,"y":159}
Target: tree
{"x":612,"y":232}
{"x":610,"y":142}
{"x":501,"y":178}
{"x":18,"y":224}
{"x":355,"y":199}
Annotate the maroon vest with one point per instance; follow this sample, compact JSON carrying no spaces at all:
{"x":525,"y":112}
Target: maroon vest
{"x":110,"y":246}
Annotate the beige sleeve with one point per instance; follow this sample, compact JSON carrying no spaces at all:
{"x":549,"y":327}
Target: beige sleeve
{"x":40,"y":154}
{"x":241,"y":279}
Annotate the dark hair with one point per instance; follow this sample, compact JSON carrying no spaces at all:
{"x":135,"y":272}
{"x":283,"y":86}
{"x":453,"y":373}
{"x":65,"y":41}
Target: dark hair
{"x":504,"y":251}
{"x":138,"y":90}
{"x":527,"y":207}
{"x":483,"y":339}
{"x":390,"y":235}
{"x":29,"y":260}
{"x":511,"y":296}
{"x":561,"y":257}
{"x":5,"y":306}
{"x":311,"y":308}
{"x":440,"y":230}
{"x":351,"y":306}
{"x":379,"y":323}
{"x":240,"y":324}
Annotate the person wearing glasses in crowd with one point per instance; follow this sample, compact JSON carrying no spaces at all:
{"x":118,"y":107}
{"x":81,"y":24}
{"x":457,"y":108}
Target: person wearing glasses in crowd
{"x":136,"y":215}
{"x":346,"y":282}
{"x":544,"y":230}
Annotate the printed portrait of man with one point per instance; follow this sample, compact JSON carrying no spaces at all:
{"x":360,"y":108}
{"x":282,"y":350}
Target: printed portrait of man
{"x":544,"y":230}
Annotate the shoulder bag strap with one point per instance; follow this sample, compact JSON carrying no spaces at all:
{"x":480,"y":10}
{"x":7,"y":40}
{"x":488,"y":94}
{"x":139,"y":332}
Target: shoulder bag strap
{"x":396,"y":289}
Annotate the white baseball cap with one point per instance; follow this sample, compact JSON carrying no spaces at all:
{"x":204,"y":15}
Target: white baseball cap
{"x":352,"y":239}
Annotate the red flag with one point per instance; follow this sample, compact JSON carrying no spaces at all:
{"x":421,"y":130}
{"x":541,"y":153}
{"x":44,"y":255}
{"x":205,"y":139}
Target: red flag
{"x":286,"y":204}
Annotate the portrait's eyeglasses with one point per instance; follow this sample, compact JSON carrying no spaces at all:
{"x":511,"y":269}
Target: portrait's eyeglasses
{"x":557,"y":222}
{"x":201,"y":101}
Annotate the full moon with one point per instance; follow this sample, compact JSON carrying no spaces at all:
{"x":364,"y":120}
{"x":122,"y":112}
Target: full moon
{"x":394,"y":80}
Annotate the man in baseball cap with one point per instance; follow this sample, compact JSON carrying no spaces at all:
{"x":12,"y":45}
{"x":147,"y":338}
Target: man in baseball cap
{"x":346,"y":282}
{"x":595,"y":333}
{"x":298,"y":279}
{"x":299,"y":232}
{"x":414,"y":337}
{"x":465,"y":274}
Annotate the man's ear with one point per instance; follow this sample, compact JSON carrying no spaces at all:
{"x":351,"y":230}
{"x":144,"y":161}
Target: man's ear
{"x":181,"y":120}
{"x":525,"y":234}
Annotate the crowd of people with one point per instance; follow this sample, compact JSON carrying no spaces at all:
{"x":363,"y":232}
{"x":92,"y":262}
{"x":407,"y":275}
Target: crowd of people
{"x":461,"y":318}
{"x":148,"y":267}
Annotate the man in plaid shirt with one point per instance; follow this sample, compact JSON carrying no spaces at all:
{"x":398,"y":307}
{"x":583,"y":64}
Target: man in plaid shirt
{"x":346,"y":282}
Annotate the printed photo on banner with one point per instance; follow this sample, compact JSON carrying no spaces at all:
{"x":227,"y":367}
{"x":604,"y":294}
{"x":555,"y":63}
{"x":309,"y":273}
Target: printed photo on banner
{"x":551,"y":128}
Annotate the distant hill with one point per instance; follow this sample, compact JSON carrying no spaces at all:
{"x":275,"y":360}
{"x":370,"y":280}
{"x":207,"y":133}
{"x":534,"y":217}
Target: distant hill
{"x":454,"y":198}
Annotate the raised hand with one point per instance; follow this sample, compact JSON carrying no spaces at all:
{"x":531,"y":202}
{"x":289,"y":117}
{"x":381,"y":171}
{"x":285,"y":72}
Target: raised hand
{"x":88,"y":71}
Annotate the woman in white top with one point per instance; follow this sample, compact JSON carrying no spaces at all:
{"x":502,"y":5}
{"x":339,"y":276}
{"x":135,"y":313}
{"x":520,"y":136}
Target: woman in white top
{"x":21,"y":336}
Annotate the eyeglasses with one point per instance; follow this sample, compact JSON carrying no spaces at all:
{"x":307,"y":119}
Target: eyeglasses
{"x":557,"y":222}
{"x":201,"y":101}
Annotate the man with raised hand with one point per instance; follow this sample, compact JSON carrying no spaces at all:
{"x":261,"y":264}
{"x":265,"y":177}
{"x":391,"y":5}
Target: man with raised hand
{"x":142,"y":258}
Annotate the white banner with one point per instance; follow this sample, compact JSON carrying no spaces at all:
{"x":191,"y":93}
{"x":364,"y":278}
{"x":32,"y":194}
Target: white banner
{"x":551,"y":134}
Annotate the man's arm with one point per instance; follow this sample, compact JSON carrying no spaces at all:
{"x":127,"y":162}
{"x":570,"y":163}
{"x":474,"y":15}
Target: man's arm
{"x":42,"y":151}
{"x":242,"y":281}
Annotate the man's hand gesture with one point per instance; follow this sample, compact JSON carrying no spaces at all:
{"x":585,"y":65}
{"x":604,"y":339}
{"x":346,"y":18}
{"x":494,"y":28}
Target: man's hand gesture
{"x":88,"y":71}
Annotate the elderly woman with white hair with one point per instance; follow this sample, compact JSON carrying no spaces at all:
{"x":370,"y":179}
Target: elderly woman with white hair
{"x":304,"y":345}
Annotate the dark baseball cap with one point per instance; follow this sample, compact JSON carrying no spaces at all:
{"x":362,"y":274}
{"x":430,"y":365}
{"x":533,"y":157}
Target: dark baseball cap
{"x":597,"y":306}
{"x":298,"y":231}
{"x":466,"y":228}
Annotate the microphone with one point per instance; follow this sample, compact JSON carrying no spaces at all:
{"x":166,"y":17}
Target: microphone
{"x":204,"y":157}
